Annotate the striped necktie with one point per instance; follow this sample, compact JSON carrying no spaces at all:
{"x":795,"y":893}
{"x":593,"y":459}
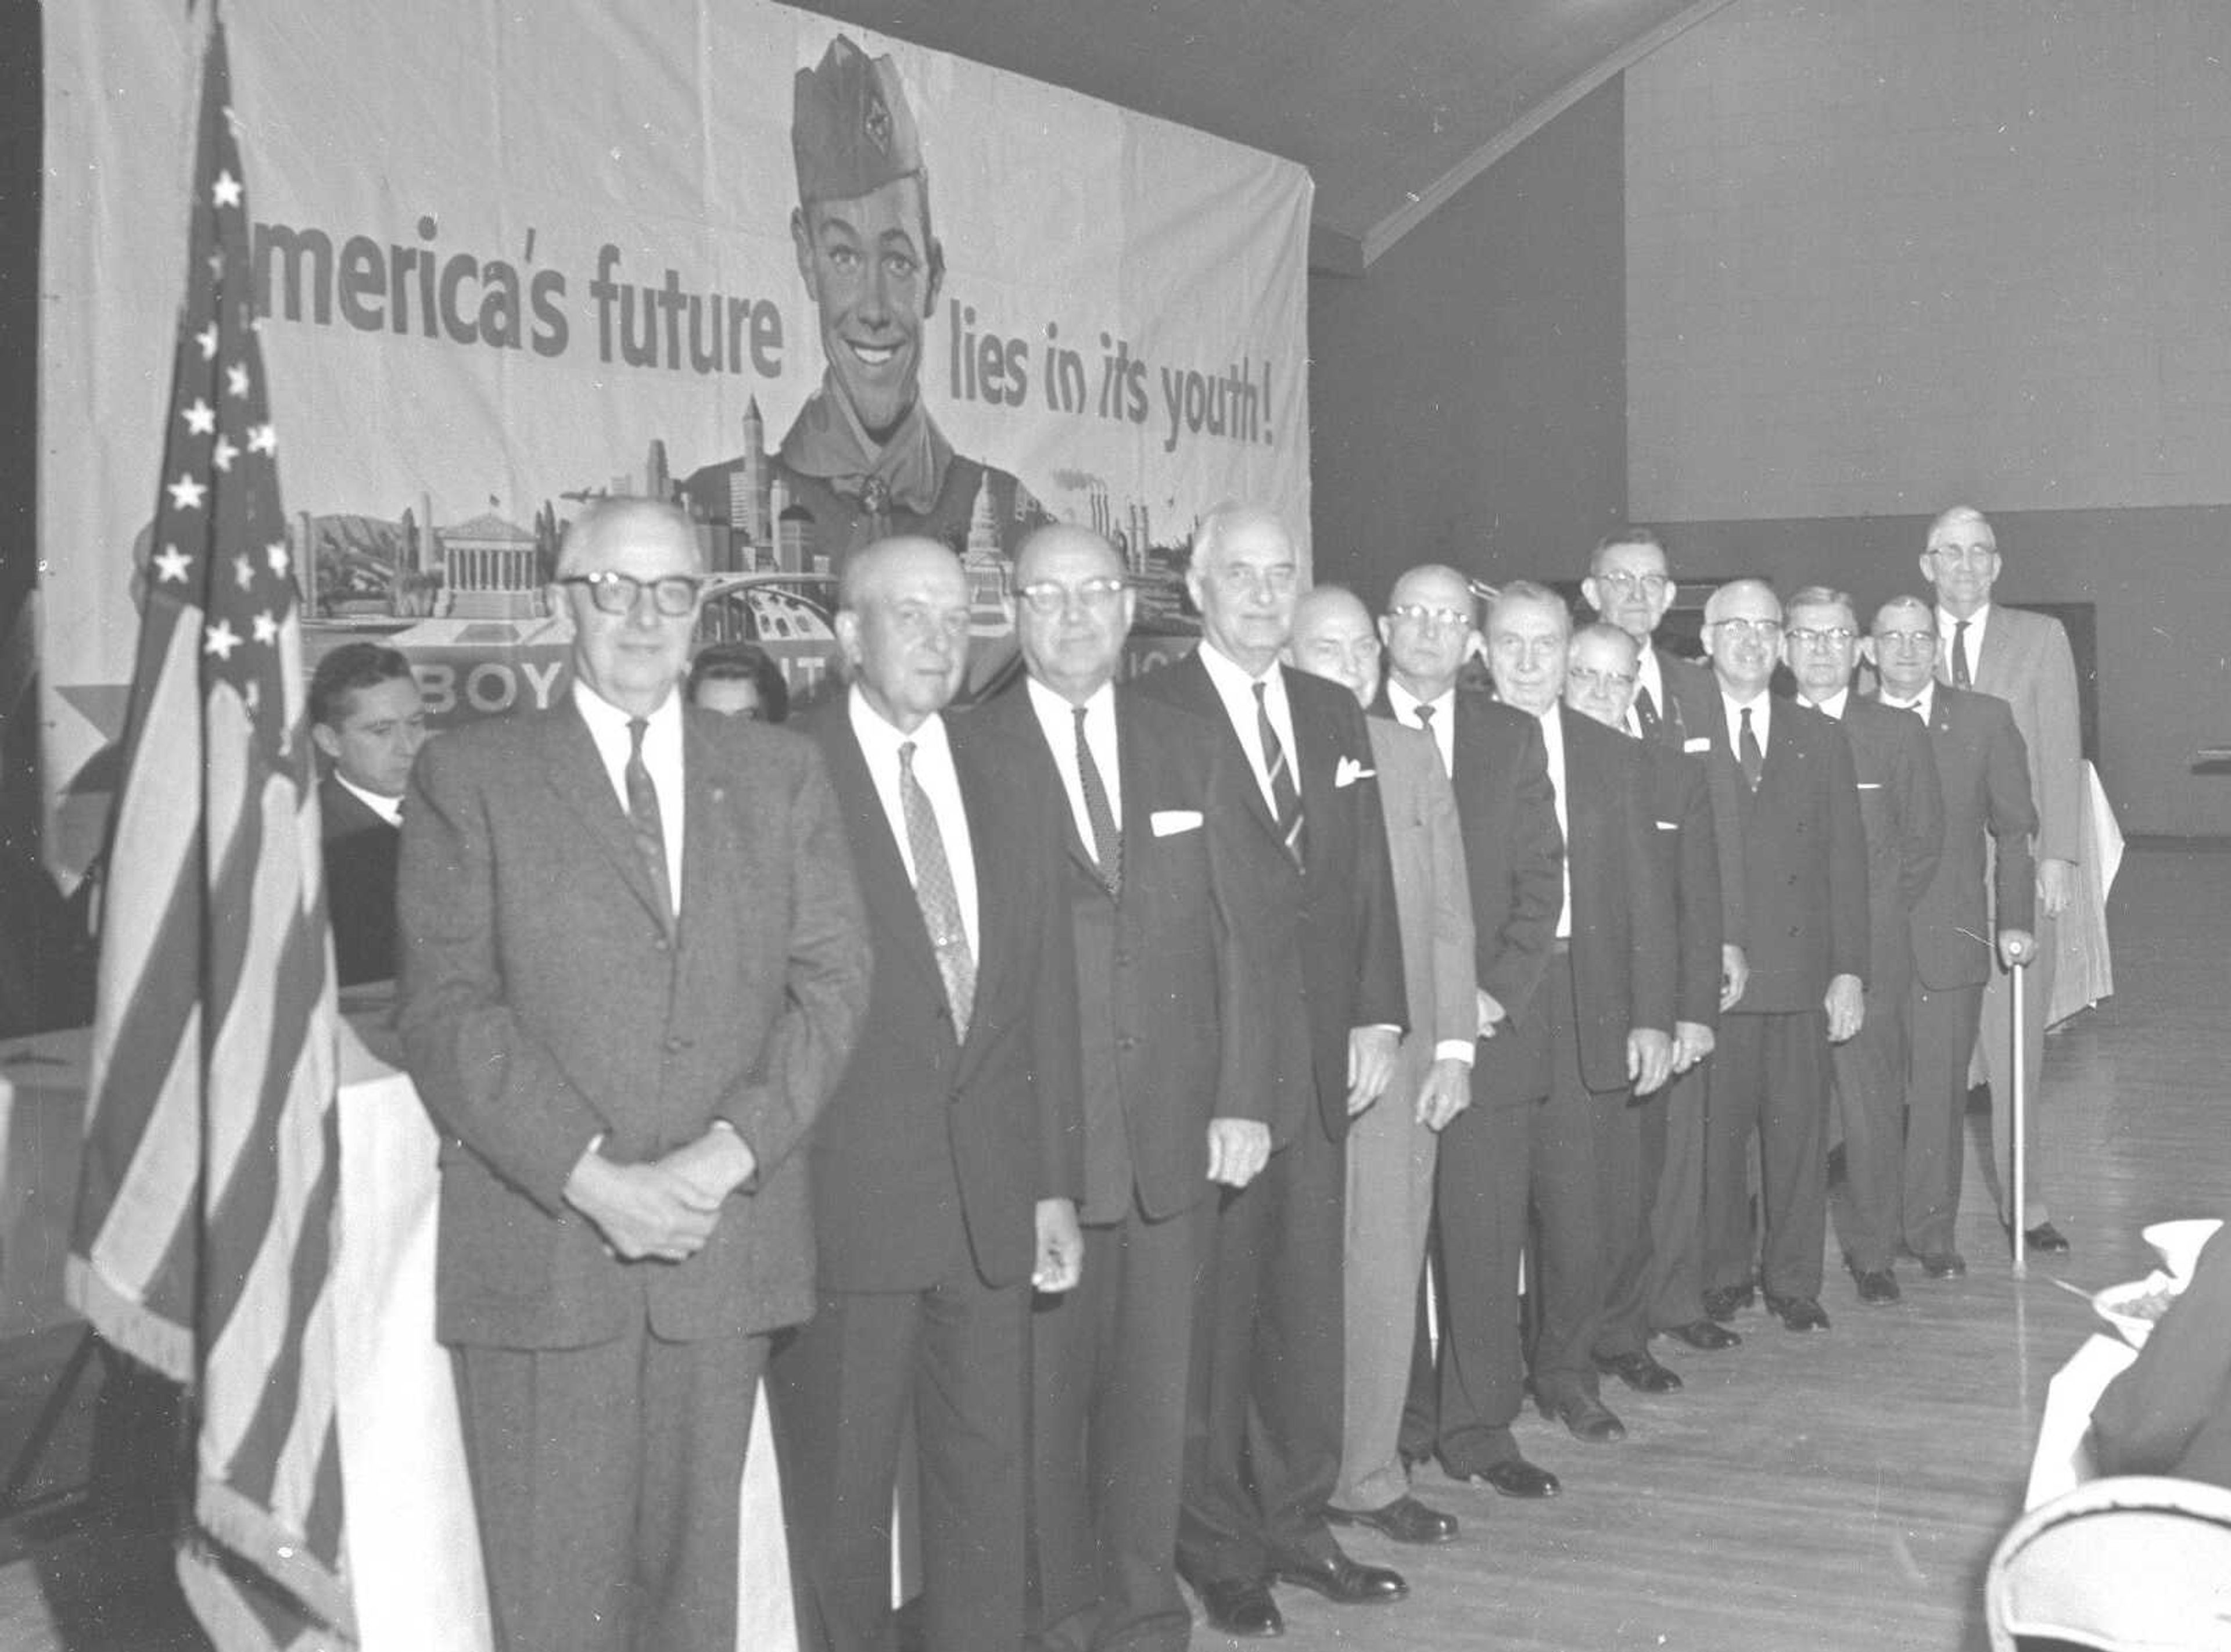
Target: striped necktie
{"x":1107,"y":839}
{"x":1960,"y":676}
{"x":1750,"y":754}
{"x":644,"y":822}
{"x":1425,"y":722}
{"x":1646,"y":709}
{"x":933,"y":892}
{"x":1285,"y":796}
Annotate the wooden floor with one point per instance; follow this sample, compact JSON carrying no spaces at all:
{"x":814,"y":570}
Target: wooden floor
{"x":1834,"y":1491}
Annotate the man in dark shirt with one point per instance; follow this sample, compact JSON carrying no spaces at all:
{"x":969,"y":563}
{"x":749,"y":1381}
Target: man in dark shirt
{"x":365,"y":716}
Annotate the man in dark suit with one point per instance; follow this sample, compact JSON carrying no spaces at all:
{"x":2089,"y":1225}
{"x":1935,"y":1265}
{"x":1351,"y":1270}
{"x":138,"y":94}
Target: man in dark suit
{"x":1179,"y":1087}
{"x":947,"y":1166}
{"x":1902,"y":813}
{"x":2024,"y":660}
{"x":1984,"y":775}
{"x":1263,"y":1437}
{"x":1805,"y":872}
{"x":1391,"y":1148}
{"x":1600,"y":1024}
{"x":1600,"y":671}
{"x":367,"y":717}
{"x":1630,"y":584}
{"x":1466,"y":1386}
{"x":634,"y":961}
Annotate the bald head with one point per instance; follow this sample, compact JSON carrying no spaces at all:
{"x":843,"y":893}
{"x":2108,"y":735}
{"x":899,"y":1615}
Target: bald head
{"x":1069,"y":544}
{"x":902,"y":624}
{"x":646,"y":522}
{"x":1429,"y":626}
{"x":1333,"y":639}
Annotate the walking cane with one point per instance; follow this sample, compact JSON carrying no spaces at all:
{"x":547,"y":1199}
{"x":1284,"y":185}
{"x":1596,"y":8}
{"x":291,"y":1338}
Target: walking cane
{"x":2016,"y":1122}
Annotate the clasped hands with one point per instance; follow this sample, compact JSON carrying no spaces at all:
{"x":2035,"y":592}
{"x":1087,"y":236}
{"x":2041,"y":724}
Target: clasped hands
{"x":664,"y":1210}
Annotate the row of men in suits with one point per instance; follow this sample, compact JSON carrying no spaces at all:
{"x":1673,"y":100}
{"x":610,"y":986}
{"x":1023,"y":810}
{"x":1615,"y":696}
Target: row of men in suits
{"x":1062,"y":1012}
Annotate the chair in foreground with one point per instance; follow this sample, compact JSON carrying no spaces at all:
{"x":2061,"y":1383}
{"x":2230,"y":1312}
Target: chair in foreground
{"x":2128,"y":1564}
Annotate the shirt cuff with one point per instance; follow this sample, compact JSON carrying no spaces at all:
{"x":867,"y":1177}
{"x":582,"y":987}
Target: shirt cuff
{"x":1454,"y":1049}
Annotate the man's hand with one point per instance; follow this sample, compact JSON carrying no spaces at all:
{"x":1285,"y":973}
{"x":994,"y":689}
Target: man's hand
{"x":1061,"y":1247}
{"x":644,"y":1212}
{"x":1693,"y":1042}
{"x":1238,"y":1150}
{"x":2017,"y":947}
{"x":1649,"y":1058}
{"x":1370,"y":1064}
{"x":1735,"y":976}
{"x":1847,"y":1004}
{"x":716,"y":1163}
{"x":1445,"y":1093}
{"x":2056,"y":886}
{"x":1491,"y":1014}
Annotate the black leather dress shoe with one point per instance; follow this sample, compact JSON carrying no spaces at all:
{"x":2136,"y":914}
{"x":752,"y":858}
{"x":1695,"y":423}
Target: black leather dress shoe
{"x":2045,"y":1240}
{"x":1343,"y":1581}
{"x":1798,"y":1312}
{"x":1243,"y":1608}
{"x":1514,"y":1477}
{"x":1876,"y":1284}
{"x":1945,"y":1264}
{"x":1406,"y":1520}
{"x":1638,"y":1372}
{"x":1704,"y":1336}
{"x":1722,"y":1302}
{"x":1588,"y":1417}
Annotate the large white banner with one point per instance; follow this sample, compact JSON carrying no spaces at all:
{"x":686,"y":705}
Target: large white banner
{"x":815,"y":284}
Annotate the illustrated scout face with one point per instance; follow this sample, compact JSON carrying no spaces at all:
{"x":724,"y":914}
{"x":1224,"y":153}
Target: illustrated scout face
{"x":871,"y":265}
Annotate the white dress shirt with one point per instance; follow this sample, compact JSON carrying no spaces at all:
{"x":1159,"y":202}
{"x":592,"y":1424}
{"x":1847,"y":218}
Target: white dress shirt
{"x":939,"y":782}
{"x":662,"y":756}
{"x":1831,"y":706}
{"x":1552,"y":736}
{"x":1058,"y":718}
{"x":1948,"y":628}
{"x":1648,"y":674}
{"x":391,"y":808}
{"x":1442,"y":726}
{"x":1924,"y":702}
{"x":1237,"y":690}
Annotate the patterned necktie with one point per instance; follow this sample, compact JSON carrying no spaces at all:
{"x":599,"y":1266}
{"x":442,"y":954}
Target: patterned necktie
{"x":1749,"y":753}
{"x":644,"y":822}
{"x":934,"y":894}
{"x":1285,"y":796}
{"x":1107,"y":839}
{"x":1646,"y":709}
{"x":1425,"y":722}
{"x":1960,"y":678}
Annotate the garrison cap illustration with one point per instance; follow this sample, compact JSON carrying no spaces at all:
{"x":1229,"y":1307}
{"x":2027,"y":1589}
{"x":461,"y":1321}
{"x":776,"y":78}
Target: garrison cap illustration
{"x":851,"y":131}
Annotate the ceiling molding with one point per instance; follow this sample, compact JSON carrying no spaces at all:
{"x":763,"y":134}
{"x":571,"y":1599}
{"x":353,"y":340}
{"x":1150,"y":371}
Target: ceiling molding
{"x":1422,"y":206}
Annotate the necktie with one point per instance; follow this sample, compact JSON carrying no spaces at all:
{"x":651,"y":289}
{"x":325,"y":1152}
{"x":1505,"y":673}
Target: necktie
{"x":1749,"y":753}
{"x":1915,"y":707}
{"x":1285,"y":796}
{"x":1107,"y":841}
{"x":1425,"y":722}
{"x":1646,"y":710}
{"x":934,"y":894}
{"x":643,"y":820}
{"x":1960,"y":678}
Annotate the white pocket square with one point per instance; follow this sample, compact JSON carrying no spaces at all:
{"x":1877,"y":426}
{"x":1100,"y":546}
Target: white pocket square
{"x":1169,"y":823}
{"x":1870,"y":785}
{"x":1669,"y":825}
{"x":1349,"y":772}
{"x":1697,"y":743}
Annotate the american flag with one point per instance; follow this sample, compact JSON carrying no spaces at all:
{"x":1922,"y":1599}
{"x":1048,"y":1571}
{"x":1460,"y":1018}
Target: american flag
{"x":205,"y":1214}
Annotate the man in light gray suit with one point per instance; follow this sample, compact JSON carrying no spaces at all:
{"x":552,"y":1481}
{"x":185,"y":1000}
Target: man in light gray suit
{"x":2024,"y":660}
{"x":1391,"y":1148}
{"x":633,"y":963}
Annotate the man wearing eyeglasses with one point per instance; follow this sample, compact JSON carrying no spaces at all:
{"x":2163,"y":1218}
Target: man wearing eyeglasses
{"x":1179,"y":1087}
{"x":1630,"y":586}
{"x":633,"y":963}
{"x":1983,"y":774}
{"x":2023,"y":658}
{"x":1601,"y":672}
{"x":1805,"y":872}
{"x":1902,"y":813}
{"x":947,"y":1166}
{"x":1465,"y":1393}
{"x":1391,"y":1148}
{"x":1262,"y":1451}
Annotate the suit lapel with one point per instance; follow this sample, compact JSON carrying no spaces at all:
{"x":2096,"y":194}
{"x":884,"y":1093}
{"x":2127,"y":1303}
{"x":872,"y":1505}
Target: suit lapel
{"x":575,"y":771}
{"x":708,"y":828}
{"x":1193,"y":676}
{"x":977,"y":767}
{"x":884,"y":886}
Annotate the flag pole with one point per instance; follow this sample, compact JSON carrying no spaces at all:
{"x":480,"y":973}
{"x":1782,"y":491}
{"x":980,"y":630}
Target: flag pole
{"x":2017,"y":1121}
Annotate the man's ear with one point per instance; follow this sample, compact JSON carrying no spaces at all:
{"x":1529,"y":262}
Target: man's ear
{"x":1867,"y":651}
{"x":1592,"y":594}
{"x":325,"y":741}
